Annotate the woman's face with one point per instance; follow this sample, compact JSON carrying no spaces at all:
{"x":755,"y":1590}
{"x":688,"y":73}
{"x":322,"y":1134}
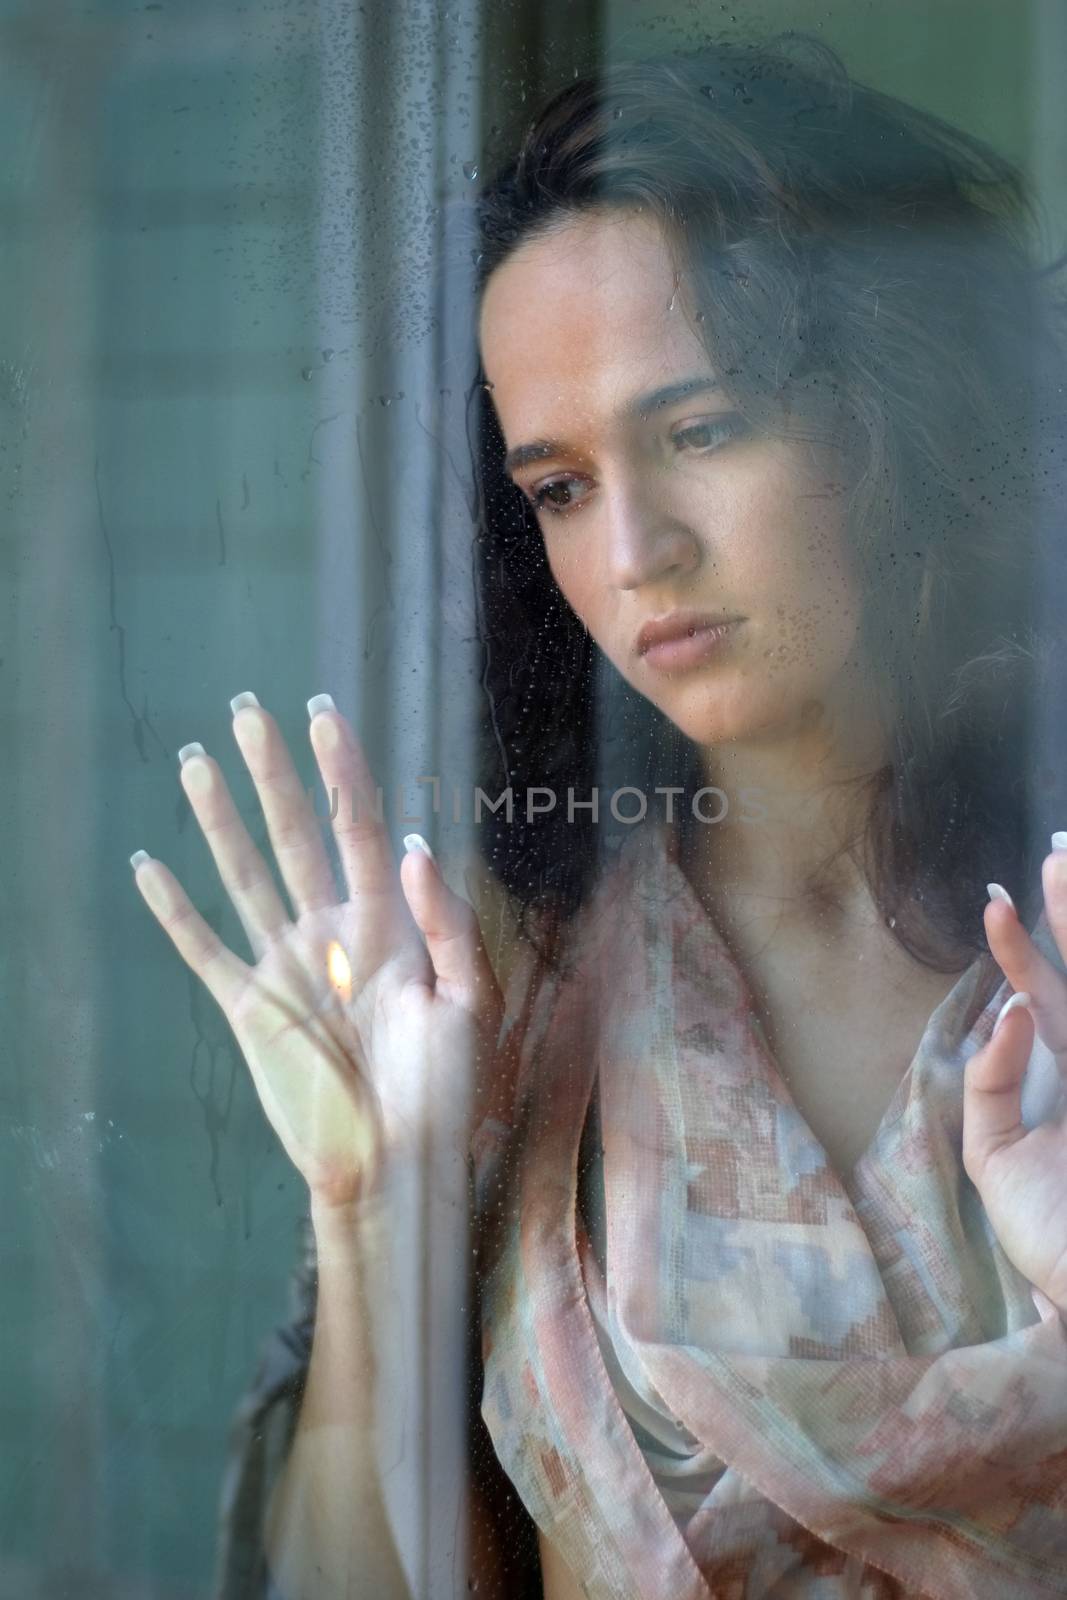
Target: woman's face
{"x":655,"y":497}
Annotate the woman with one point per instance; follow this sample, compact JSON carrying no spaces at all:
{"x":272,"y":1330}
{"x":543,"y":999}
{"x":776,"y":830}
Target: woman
{"x":774,"y":1251}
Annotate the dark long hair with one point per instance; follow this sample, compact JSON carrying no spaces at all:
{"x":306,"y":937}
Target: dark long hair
{"x":875,"y":264}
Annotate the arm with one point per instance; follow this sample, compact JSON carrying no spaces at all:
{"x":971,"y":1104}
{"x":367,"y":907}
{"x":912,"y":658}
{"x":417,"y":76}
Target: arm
{"x":327,"y":1524}
{"x":327,"y":1533}
{"x":261,"y":1514}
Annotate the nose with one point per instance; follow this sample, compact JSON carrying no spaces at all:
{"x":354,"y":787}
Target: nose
{"x":645,"y":538}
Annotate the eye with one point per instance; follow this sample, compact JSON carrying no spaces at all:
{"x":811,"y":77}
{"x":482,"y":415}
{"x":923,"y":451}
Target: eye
{"x":555,"y":495}
{"x":708,"y":433}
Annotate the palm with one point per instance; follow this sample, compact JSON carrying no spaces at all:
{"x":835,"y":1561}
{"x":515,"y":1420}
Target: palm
{"x":305,"y":1051}
{"x":1021,"y":1173}
{"x":1025,"y":1196}
{"x":342,"y":1077}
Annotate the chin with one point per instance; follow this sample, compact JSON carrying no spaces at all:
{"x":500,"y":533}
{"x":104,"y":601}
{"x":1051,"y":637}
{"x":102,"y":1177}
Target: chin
{"x":708,"y":716}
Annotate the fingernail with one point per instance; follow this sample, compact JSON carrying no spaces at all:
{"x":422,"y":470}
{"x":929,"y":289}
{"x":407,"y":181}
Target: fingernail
{"x":1046,"y":1310}
{"x":415,"y":841}
{"x":1059,"y":841}
{"x":189,"y":750}
{"x":320,"y":702}
{"x":1015,"y":1003}
{"x":137,"y":858}
{"x":996,"y":891}
{"x":241,"y":700}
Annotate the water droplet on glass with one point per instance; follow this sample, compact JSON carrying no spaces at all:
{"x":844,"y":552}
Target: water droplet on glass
{"x":307,"y":374}
{"x":327,"y":355}
{"x":470,"y":170}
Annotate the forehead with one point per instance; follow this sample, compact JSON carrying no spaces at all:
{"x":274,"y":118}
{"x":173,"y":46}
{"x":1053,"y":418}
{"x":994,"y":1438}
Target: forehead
{"x":583,"y":317}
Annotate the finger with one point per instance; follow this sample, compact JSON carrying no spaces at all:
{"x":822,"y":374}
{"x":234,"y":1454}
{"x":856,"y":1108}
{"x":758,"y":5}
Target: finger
{"x":245,"y":874}
{"x":224,"y":974}
{"x":1054,"y":883}
{"x":363,"y":845}
{"x":450,"y":926}
{"x":292,"y":825}
{"x":992,"y":1087}
{"x":1026,"y":968}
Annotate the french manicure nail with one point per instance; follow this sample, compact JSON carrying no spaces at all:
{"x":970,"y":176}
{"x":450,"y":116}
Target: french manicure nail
{"x":137,"y":858}
{"x":996,"y":891}
{"x":415,"y":841}
{"x":188,"y":750}
{"x":320,"y":702}
{"x":1059,"y":841}
{"x":239,"y":701}
{"x":1015,"y":1003}
{"x":1046,"y":1309}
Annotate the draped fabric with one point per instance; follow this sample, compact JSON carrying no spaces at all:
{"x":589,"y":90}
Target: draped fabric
{"x":862,"y":1397}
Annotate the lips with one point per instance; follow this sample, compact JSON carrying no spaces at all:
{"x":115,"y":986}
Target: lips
{"x":678,"y":625}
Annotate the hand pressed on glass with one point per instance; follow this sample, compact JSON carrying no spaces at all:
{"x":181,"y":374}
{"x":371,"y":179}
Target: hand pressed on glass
{"x":350,"y":1081}
{"x":1020,"y":1174}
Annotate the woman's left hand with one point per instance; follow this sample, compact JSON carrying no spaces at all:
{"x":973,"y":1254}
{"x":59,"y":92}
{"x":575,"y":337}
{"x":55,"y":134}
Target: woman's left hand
{"x":1020,"y":1174}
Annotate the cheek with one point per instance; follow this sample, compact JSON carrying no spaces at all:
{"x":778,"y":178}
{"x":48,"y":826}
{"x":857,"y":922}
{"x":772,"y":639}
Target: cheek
{"x":799,"y":577}
{"x":577,"y":579}
{"x":820,"y":626}
{"x":827,"y":578}
{"x":792,"y":539}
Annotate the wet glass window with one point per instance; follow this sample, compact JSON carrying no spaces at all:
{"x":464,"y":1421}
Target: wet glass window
{"x":536,"y":807}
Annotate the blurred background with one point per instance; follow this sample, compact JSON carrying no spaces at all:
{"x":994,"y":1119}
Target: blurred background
{"x":235,"y":354}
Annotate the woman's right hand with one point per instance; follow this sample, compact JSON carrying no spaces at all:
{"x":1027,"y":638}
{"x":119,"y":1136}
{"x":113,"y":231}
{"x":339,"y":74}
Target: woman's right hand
{"x":353,"y":1082}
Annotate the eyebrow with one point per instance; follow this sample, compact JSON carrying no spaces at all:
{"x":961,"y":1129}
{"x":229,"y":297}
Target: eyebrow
{"x":640,"y":408}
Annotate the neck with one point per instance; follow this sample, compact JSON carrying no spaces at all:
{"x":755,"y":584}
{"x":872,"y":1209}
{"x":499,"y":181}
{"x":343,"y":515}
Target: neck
{"x":811,"y":791}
